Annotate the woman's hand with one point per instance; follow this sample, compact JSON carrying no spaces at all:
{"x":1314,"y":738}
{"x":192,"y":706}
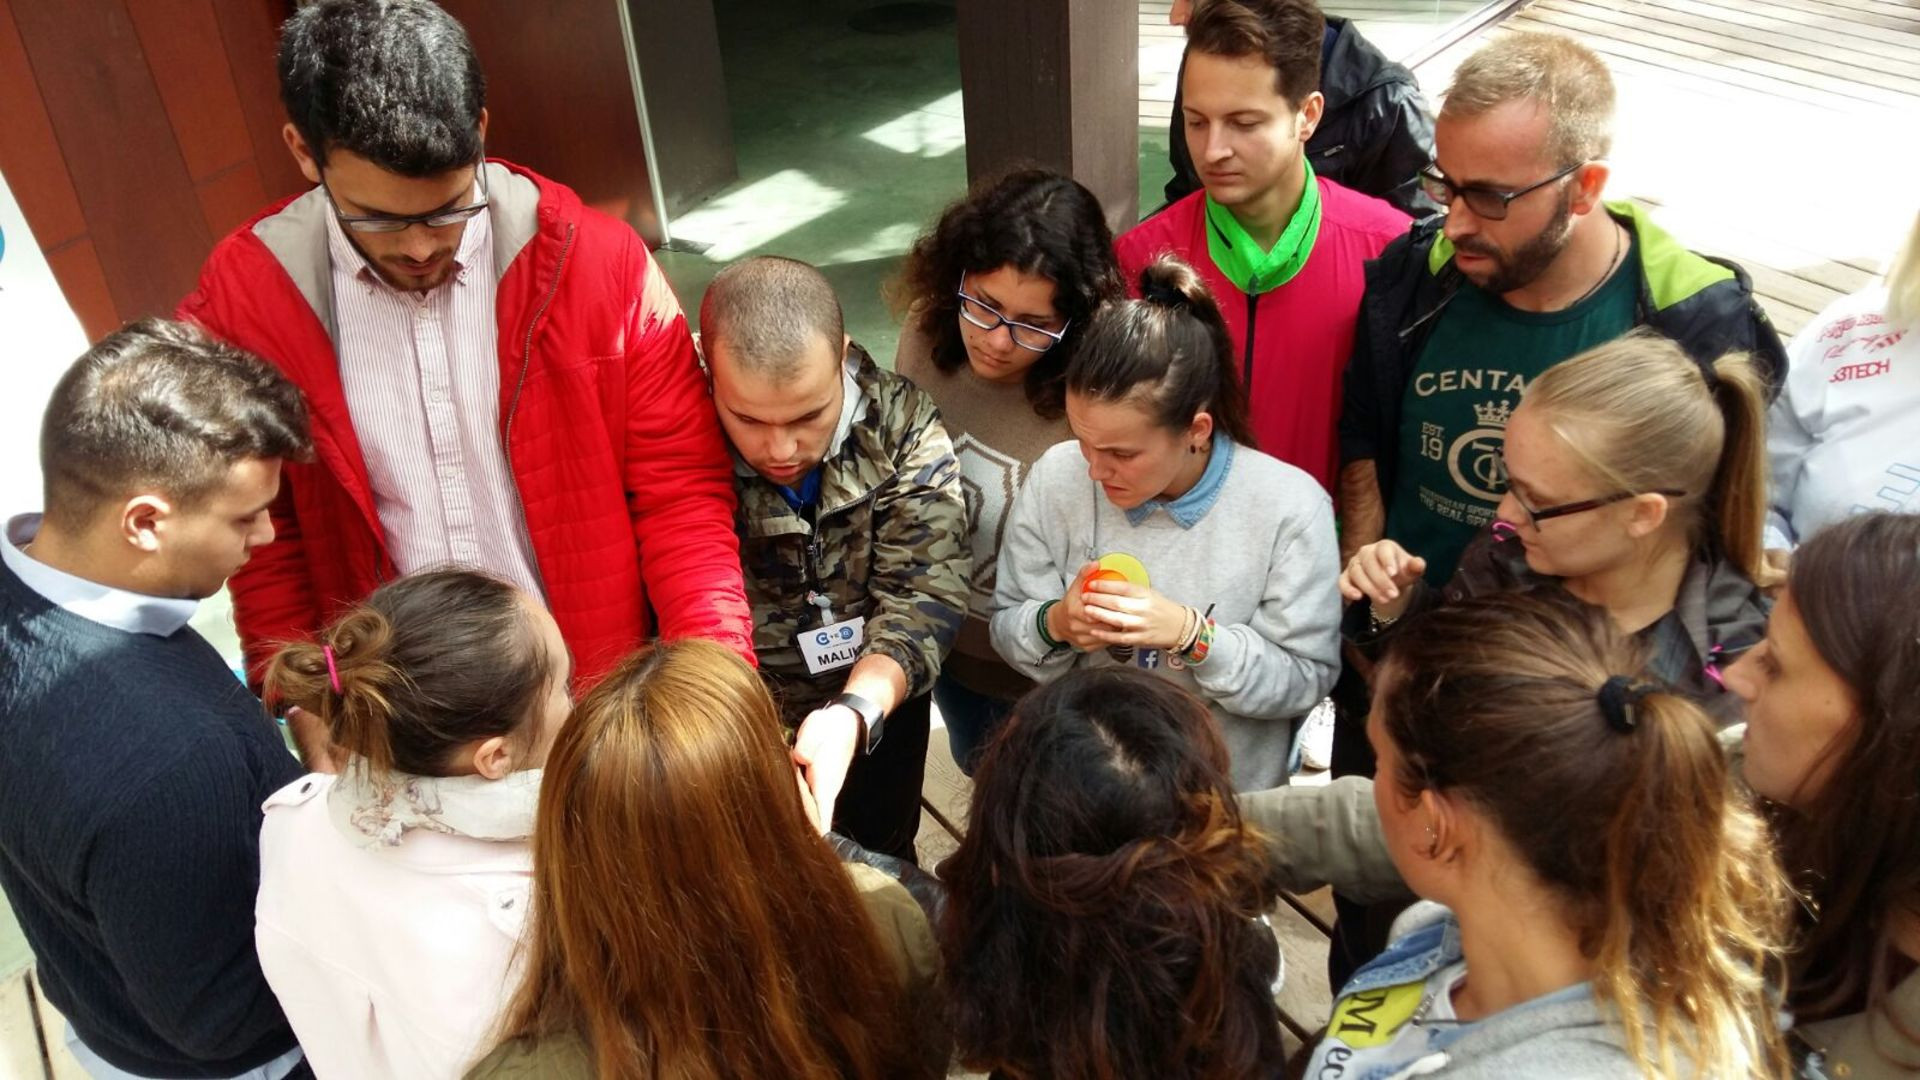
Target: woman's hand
{"x":1382,"y":572}
{"x":1069,"y":621}
{"x":1127,"y":614}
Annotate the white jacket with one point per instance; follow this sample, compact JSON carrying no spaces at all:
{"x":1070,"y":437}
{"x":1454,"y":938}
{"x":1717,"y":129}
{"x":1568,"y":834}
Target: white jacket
{"x":390,"y":961}
{"x":1844,"y":435}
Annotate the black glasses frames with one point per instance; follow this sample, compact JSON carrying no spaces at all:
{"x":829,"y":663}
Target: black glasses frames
{"x":981,"y":314}
{"x":438,"y":219}
{"x":1484,"y":202}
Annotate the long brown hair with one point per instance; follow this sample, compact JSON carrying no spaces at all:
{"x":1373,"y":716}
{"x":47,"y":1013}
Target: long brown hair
{"x":687,"y":920}
{"x":1660,"y":866}
{"x":1644,"y":416}
{"x":1102,"y":916}
{"x":1855,"y":844}
{"x":424,"y":665}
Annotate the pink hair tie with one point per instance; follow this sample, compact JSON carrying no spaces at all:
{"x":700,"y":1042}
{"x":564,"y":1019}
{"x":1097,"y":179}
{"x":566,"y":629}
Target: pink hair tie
{"x":333,"y":673}
{"x":1505,"y":530}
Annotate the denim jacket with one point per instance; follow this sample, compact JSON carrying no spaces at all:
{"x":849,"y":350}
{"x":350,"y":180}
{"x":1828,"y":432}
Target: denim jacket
{"x":1564,"y":1035}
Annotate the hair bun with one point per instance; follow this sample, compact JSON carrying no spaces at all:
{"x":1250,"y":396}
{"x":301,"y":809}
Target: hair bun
{"x":1168,"y":282}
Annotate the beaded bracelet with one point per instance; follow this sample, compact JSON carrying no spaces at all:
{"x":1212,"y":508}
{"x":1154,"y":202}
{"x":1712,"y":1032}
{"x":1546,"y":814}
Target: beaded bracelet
{"x":1040,"y":624}
{"x":1202,"y":644}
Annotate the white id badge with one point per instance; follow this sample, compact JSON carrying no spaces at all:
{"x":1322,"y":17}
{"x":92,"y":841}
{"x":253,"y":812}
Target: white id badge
{"x":832,"y":647}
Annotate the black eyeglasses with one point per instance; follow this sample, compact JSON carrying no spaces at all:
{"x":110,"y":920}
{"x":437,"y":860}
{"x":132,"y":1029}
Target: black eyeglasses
{"x":1548,"y":513}
{"x":393,"y":223}
{"x":1026,"y":335}
{"x":1484,"y":202}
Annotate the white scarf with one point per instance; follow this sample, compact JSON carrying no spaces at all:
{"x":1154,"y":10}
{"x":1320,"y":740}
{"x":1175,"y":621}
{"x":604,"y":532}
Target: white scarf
{"x":376,"y":812}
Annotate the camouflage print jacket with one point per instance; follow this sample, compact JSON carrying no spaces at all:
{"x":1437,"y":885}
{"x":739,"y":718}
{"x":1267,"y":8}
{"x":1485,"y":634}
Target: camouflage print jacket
{"x":889,"y":542}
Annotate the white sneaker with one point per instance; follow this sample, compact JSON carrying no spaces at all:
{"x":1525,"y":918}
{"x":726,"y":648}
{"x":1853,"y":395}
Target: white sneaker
{"x":1316,"y":738}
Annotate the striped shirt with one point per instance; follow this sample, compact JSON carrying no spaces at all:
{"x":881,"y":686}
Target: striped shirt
{"x":422,"y":378}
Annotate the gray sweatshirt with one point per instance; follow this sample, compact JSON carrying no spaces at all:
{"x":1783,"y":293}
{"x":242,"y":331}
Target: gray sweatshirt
{"x":1262,"y":553}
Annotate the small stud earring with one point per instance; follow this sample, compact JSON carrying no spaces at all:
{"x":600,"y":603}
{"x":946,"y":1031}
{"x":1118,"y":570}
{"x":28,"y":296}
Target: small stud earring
{"x":1433,"y":843}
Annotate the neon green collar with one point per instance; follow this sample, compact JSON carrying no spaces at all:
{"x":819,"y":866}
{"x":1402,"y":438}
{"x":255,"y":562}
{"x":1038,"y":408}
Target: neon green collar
{"x":1239,"y":257}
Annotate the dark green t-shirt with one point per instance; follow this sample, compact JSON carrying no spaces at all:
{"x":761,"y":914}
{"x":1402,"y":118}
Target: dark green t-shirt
{"x":1465,"y":386}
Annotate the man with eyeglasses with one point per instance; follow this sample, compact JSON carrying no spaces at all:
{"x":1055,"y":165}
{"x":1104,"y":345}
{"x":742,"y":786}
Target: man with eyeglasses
{"x":1282,"y":249}
{"x":1527,"y":268}
{"x":499,"y":376}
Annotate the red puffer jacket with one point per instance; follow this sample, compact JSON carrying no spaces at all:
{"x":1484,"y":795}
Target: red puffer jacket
{"x":613,"y":444}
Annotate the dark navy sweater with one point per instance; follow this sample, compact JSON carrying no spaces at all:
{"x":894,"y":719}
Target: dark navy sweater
{"x":132,"y":769}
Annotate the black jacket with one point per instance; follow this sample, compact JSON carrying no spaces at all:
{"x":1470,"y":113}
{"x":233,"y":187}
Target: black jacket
{"x":1374,"y":137}
{"x":1704,"y":304}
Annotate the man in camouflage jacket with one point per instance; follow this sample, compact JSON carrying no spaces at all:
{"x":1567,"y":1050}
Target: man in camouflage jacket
{"x":853,"y":530}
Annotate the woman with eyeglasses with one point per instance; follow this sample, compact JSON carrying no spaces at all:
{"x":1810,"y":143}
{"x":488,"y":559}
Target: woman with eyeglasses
{"x":1636,"y":479}
{"x":998,"y":294}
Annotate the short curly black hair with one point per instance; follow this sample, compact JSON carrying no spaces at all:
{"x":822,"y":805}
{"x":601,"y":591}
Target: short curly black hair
{"x":394,"y":81}
{"x":1037,"y":221}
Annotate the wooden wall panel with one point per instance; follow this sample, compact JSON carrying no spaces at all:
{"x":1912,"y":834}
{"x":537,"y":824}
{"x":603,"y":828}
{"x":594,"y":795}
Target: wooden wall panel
{"x":77,"y":268}
{"x":29,"y":152}
{"x":250,"y":30}
{"x":181,"y":41}
{"x":121,"y":152}
{"x":560,"y":97}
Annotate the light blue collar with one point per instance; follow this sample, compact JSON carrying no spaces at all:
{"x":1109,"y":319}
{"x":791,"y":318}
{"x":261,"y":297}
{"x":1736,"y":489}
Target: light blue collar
{"x":1188,"y":509}
{"x":132,"y":612}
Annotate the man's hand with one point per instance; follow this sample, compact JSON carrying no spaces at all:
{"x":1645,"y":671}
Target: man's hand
{"x":1381,"y":572}
{"x":311,"y":739}
{"x":807,"y":803}
{"x":824,"y":747}
{"x":1129,"y":614}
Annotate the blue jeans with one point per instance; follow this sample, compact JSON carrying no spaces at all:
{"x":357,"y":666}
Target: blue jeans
{"x":971,"y":717}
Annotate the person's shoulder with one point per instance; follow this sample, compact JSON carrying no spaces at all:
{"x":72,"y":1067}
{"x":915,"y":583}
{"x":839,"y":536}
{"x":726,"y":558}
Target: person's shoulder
{"x":1345,"y":209}
{"x":1855,"y":315}
{"x":1061,"y":460}
{"x":1281,"y":485}
{"x":899,"y":921}
{"x":913,"y":354}
{"x":1171,"y":229}
{"x":564,"y":1056}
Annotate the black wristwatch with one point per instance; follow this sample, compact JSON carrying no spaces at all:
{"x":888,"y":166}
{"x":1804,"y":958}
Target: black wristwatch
{"x":873,"y":720}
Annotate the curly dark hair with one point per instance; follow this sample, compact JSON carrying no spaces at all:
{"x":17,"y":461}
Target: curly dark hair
{"x":394,"y":81}
{"x":1103,"y":919}
{"x":1037,"y":221}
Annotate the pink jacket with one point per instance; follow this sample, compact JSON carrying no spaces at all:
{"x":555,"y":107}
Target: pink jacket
{"x":391,"y":962}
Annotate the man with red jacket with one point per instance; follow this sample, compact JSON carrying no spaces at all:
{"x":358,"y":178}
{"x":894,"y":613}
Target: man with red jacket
{"x":498,"y":376}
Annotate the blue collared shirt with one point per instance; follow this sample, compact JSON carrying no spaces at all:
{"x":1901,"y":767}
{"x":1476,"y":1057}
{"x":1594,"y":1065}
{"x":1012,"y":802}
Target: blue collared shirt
{"x":132,"y":612}
{"x":1188,"y":509}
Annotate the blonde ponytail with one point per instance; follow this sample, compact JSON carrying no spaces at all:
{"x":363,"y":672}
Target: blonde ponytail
{"x":1689,"y":926}
{"x":1642,"y":415}
{"x":1740,"y":483}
